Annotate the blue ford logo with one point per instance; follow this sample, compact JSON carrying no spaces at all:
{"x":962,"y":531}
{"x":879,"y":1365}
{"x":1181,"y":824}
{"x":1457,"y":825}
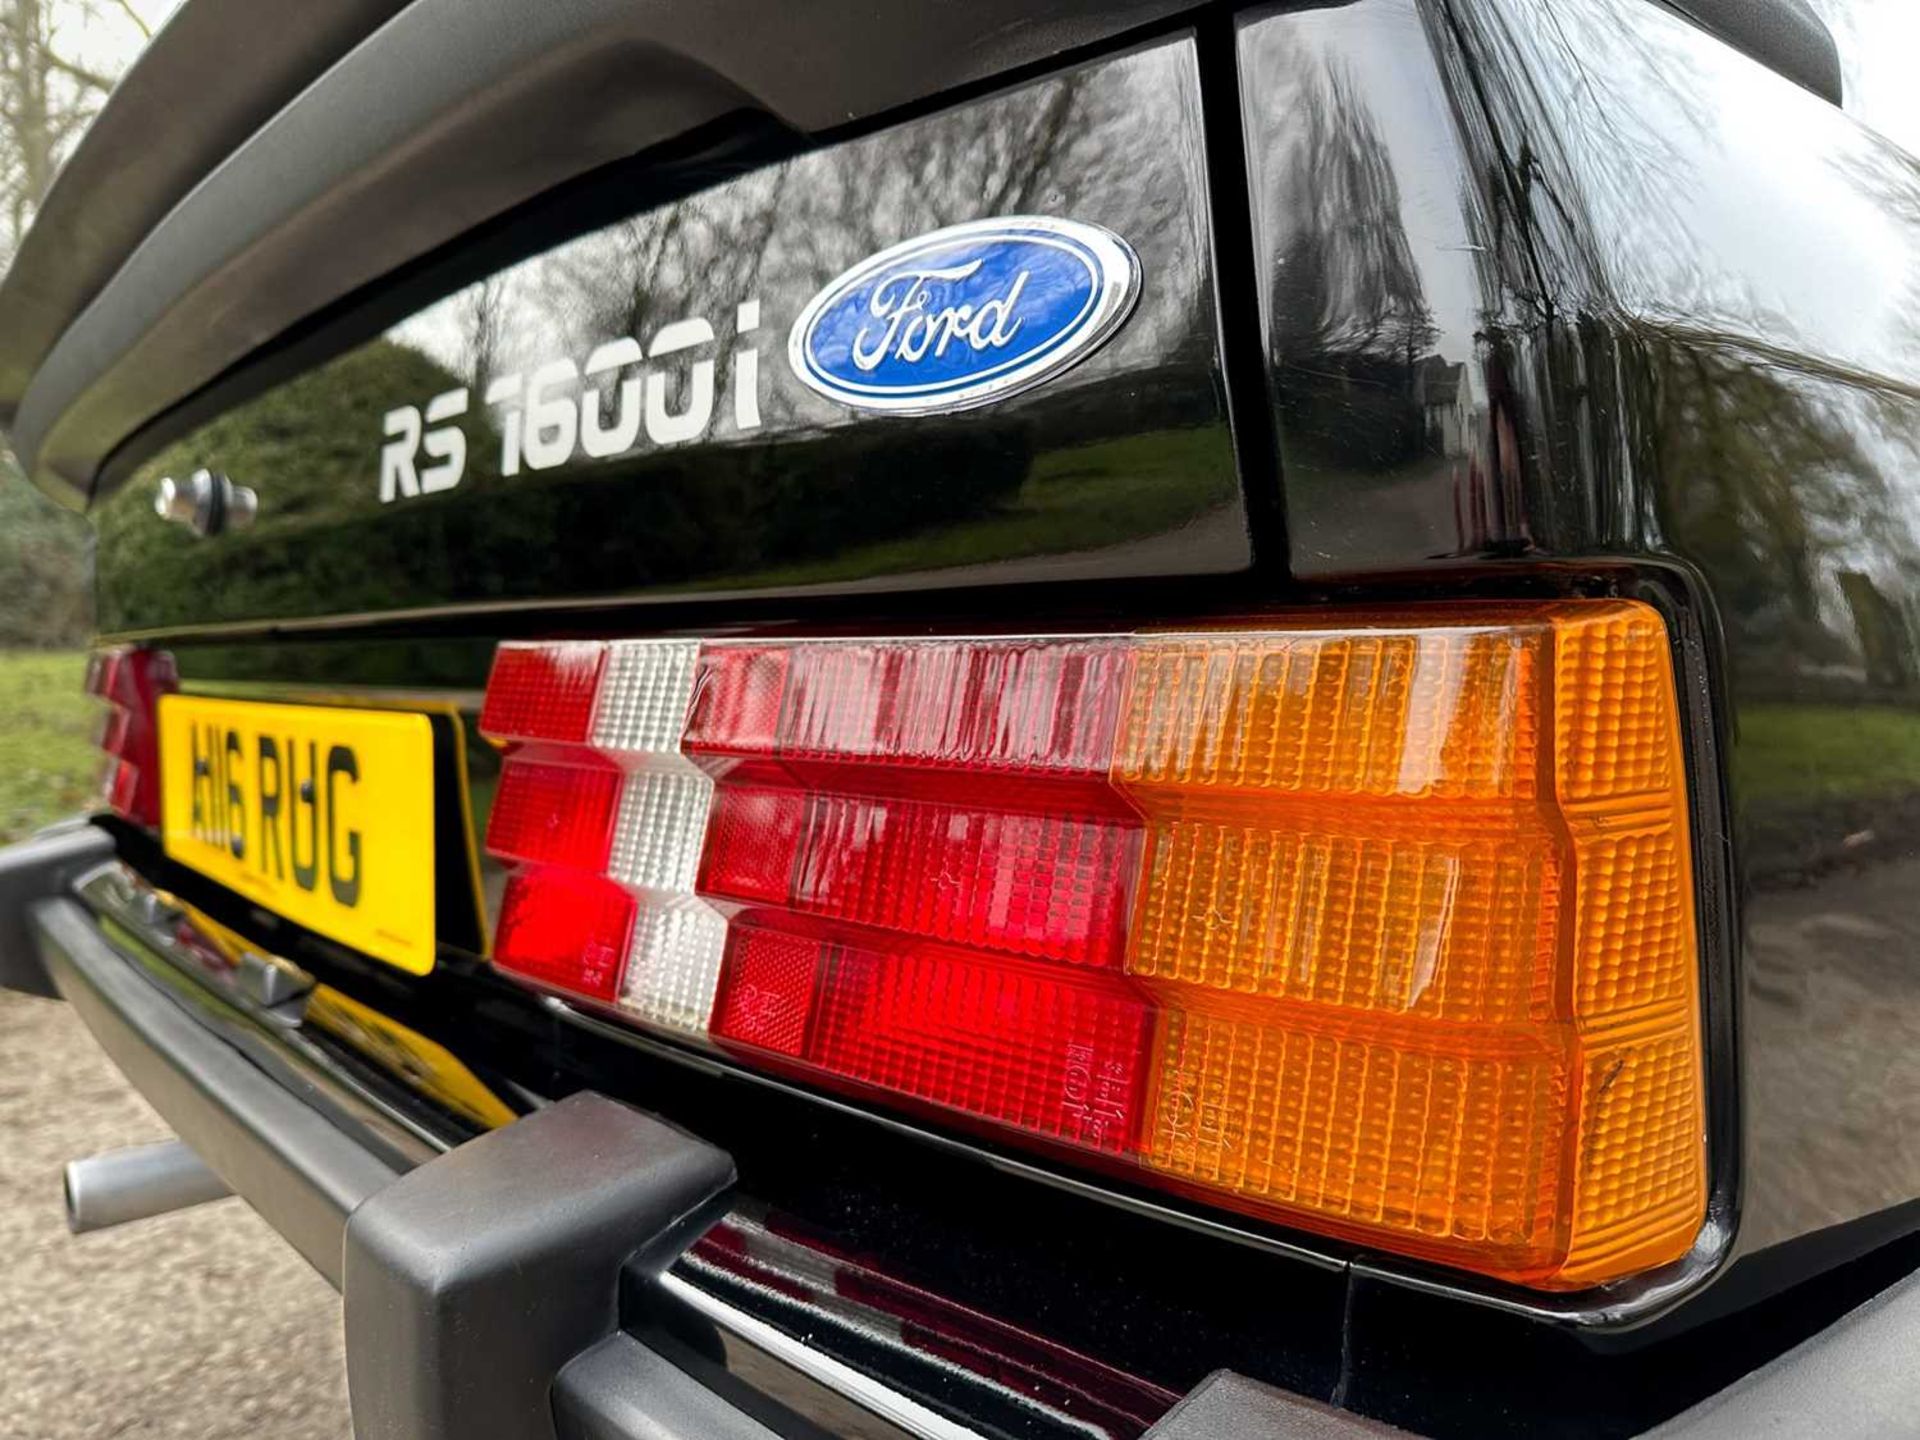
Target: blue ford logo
{"x":965,"y":315}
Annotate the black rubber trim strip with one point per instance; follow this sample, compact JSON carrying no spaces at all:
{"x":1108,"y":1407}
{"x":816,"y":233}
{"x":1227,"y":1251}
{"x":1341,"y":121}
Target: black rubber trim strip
{"x":217,"y":72}
{"x":451,"y":114}
{"x":300,"y":1171}
{"x":1237,"y":264}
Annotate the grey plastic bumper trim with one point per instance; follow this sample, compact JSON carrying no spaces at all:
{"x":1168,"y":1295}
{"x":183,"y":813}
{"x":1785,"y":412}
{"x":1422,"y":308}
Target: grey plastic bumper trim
{"x":474,"y":1280}
{"x":1859,"y":1377}
{"x":307,"y":1177}
{"x":1226,"y":1406}
{"x":38,"y":869}
{"x":471,"y":1281}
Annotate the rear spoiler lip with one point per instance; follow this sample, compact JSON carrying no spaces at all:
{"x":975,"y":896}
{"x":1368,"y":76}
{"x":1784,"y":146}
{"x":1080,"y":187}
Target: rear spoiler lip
{"x":216,"y":72}
{"x":445,"y":117}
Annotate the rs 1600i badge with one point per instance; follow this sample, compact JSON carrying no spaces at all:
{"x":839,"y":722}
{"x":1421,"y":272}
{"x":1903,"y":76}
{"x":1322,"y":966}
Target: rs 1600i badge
{"x":966,"y":315}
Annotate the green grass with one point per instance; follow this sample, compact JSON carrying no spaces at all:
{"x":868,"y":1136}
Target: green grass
{"x":1812,"y":752}
{"x":48,"y":764}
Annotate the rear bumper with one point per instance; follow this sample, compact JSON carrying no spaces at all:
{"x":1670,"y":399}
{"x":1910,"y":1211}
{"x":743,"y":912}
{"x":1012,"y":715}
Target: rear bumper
{"x":545,"y":1278}
{"x":512,"y":1282}
{"x":471,"y":1280}
{"x":303,"y":1173}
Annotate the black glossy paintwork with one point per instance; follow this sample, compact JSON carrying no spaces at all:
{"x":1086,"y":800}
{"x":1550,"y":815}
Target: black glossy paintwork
{"x":1551,"y":296}
{"x":1123,"y":466}
{"x":1476,"y":380}
{"x":1571,"y":281}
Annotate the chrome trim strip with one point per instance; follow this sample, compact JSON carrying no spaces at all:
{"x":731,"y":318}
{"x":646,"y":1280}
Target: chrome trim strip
{"x":889,"y":1404}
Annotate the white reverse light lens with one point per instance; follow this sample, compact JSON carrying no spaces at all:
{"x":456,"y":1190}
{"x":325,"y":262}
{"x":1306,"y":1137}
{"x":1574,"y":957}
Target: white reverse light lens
{"x":643,"y":696}
{"x":674,"y":959}
{"x":674,"y":963}
{"x":661,"y":827}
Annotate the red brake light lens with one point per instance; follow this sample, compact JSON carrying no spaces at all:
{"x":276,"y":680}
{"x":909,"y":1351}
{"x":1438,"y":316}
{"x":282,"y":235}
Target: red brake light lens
{"x":130,"y":681}
{"x":1022,"y":882}
{"x":1056,"y":1054}
{"x":555,"y":812}
{"x":542,"y":692}
{"x":567,"y":929}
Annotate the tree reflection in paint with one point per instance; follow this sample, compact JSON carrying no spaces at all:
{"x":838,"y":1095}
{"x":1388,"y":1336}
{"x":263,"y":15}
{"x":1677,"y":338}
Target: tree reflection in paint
{"x":1127,"y":449}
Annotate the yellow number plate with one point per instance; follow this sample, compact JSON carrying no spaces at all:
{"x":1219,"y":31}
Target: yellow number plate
{"x":324,"y":816}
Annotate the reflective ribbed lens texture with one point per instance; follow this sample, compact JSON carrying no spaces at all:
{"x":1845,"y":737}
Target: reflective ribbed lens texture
{"x":1356,"y":1128}
{"x":1375,"y":715}
{"x":1032,"y":708}
{"x":1049,"y":886}
{"x":1375,"y":925}
{"x":542,"y":691}
{"x":674,"y":963}
{"x":643,"y":697}
{"x":129,"y":682}
{"x":1354,"y":911}
{"x":1639,"y":1178}
{"x":555,"y":812}
{"x":662,"y":818}
{"x":914,"y":824}
{"x":1417,"y":836}
{"x":565,"y":928}
{"x":1043,"y":1050}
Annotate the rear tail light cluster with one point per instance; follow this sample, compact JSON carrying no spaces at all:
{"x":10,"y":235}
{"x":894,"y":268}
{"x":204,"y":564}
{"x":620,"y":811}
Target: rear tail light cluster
{"x":1381,"y":927}
{"x":130,"y":681}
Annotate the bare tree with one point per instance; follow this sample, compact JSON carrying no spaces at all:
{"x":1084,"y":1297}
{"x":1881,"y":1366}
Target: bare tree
{"x":48,"y":94}
{"x":47,"y":97}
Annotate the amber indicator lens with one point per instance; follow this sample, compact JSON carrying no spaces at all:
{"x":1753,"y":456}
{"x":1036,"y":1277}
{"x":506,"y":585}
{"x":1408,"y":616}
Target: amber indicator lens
{"x":1377,"y":925}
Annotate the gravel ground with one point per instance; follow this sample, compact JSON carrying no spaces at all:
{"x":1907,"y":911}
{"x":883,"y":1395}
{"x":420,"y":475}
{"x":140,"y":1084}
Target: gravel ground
{"x":202,"y":1323}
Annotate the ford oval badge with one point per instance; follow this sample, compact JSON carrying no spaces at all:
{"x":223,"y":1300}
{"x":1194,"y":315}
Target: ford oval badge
{"x":966,"y":315}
